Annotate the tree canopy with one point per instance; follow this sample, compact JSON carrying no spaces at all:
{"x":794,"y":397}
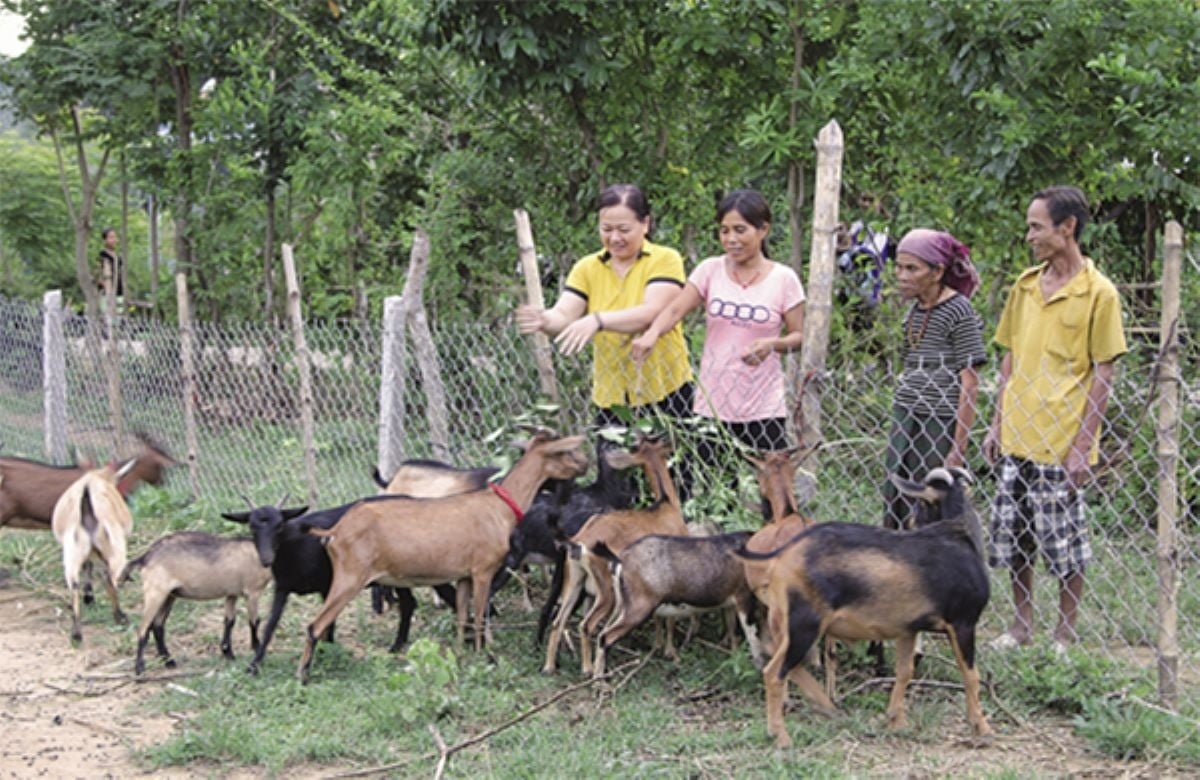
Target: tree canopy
{"x":342,"y":126}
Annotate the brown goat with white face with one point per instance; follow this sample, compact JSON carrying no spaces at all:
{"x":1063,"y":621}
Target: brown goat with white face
{"x":92,"y":521}
{"x":201,"y":567}
{"x":858,"y":582}
{"x":407,"y":542}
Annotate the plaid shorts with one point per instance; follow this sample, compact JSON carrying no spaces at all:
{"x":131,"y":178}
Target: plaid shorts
{"x":1037,"y":508}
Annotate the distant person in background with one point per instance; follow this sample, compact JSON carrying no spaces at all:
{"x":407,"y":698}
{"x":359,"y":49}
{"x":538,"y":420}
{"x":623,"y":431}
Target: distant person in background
{"x":111,"y":270}
{"x":613,"y":294}
{"x":1062,"y":328}
{"x":934,"y":406}
{"x":754,"y":312}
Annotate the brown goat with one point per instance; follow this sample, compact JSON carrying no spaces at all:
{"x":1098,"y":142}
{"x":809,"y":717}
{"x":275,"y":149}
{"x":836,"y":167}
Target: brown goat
{"x":407,"y":542}
{"x":617,"y":530}
{"x":856,"y":582}
{"x":29,"y":490}
{"x":92,"y":520}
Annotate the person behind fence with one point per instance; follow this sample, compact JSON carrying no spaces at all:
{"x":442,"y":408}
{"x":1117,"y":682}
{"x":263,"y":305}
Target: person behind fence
{"x":613,"y":294}
{"x":1061,"y":328}
{"x":110,"y":269}
{"x":749,"y":302}
{"x":934,"y":405}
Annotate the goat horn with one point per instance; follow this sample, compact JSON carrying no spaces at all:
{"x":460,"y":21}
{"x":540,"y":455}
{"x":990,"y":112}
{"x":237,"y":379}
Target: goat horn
{"x":248,"y":501}
{"x":283,"y":499}
{"x":126,"y":467}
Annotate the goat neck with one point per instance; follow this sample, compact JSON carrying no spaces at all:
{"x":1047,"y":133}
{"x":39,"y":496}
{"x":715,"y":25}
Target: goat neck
{"x":776,"y":483}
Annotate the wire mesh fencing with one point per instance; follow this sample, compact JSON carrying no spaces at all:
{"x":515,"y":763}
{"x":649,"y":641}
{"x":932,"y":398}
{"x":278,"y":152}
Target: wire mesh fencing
{"x":248,"y":440}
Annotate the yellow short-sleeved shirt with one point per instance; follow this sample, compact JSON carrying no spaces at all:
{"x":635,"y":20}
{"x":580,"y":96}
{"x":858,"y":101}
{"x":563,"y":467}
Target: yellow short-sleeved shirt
{"x":616,"y":379}
{"x":1055,"y":345}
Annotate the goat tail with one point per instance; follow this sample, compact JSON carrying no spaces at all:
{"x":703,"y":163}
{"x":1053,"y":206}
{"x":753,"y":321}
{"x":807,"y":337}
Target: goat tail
{"x":312,"y":530}
{"x":130,"y":568}
{"x":750,"y":555}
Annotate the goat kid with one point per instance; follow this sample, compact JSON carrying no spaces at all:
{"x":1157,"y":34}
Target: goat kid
{"x":857,"y":582}
{"x":676,"y":576}
{"x":201,"y":567}
{"x":92,"y":521}
{"x":406,"y":542}
{"x":617,"y":530}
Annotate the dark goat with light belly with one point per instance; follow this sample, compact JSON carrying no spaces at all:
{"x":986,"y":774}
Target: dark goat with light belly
{"x":858,"y":582}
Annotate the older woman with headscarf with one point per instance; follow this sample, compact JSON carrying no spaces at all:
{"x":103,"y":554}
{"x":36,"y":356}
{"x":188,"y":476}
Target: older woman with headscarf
{"x":934,"y":405}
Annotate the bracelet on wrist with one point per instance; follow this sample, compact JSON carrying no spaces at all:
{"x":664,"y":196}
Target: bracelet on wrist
{"x":599,"y":322}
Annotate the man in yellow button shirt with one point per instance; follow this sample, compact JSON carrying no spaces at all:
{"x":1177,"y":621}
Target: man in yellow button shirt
{"x":1062,"y":329}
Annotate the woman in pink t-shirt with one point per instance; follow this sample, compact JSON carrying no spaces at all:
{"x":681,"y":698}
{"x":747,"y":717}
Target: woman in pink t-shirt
{"x":749,"y":301}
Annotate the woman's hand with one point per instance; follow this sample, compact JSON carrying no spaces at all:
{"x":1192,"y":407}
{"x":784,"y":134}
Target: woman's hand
{"x":530,"y":319}
{"x":991,"y":445}
{"x":641,"y":347}
{"x":758,"y":351}
{"x":576,"y":336}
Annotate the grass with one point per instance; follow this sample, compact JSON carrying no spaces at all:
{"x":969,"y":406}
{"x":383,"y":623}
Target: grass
{"x":700,"y":718}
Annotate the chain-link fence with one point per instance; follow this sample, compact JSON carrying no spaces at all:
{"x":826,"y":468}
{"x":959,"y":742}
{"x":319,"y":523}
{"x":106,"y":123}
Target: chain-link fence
{"x":248,"y":438}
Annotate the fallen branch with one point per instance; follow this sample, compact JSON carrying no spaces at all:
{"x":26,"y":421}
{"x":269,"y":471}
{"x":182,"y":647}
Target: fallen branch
{"x":466,"y":743}
{"x":97,"y":727}
{"x":1163,"y":710}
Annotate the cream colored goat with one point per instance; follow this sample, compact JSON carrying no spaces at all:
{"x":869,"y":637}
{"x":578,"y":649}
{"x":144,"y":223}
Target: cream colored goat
{"x":92,"y":521}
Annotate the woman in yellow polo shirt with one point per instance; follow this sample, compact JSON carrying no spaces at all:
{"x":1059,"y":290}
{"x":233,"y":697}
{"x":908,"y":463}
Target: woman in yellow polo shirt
{"x":610,"y":297}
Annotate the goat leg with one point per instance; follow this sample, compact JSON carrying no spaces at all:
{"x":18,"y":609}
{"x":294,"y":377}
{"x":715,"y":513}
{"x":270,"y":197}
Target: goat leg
{"x":407,"y":604}
{"x":277,"y":604}
{"x":897,"y":719}
{"x":227,"y":634}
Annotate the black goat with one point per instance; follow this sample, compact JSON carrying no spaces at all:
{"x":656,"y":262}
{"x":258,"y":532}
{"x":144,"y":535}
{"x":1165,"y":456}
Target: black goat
{"x":856,"y":582}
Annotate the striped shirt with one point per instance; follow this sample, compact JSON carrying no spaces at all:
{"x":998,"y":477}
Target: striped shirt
{"x":938,"y":344}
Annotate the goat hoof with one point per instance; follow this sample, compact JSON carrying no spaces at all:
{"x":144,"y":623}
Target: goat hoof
{"x":252,"y":669}
{"x":170,"y":663}
{"x":120,"y":618}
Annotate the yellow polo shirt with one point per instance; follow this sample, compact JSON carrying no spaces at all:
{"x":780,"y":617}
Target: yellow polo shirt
{"x":616,"y":379}
{"x":1055,"y":345}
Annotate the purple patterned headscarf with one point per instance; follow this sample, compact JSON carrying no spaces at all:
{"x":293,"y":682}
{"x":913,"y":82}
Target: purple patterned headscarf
{"x":945,"y":251}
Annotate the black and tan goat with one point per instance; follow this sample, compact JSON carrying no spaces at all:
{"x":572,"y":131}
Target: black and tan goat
{"x":406,"y":542}
{"x":201,"y":567}
{"x":677,"y":576}
{"x":617,"y":530}
{"x":91,"y":521}
{"x":859,"y":582}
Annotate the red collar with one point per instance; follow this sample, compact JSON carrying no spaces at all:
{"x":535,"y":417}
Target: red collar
{"x":507,"y":498}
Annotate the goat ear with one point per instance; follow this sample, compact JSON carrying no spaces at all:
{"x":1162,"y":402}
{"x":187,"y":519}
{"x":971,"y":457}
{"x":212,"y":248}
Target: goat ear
{"x":237,"y":517}
{"x":126,"y":468}
{"x":288,"y":514}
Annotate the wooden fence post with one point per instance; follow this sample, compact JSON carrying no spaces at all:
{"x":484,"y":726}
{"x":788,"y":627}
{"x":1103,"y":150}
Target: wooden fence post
{"x":542,"y":355}
{"x":187,"y":367}
{"x":427,"y":360}
{"x":54,"y":378}
{"x":818,"y":304}
{"x":112,"y":366}
{"x":1166,"y":549}
{"x":392,"y":380}
{"x":303,"y":363}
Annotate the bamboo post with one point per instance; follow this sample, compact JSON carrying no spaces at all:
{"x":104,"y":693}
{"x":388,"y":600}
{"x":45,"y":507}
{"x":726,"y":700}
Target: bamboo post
{"x":427,"y":362}
{"x":303,"y":363}
{"x":112,"y":363}
{"x":819,"y":290}
{"x":392,"y":380}
{"x":187,"y":367}
{"x":1168,"y":462}
{"x":542,"y":354}
{"x":54,"y":377}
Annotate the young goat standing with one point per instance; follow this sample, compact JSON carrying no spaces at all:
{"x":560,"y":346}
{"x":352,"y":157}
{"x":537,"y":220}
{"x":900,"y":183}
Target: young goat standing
{"x":406,"y":542}
{"x":203,"y":567}
{"x":92,"y":520}
{"x":859,"y":582}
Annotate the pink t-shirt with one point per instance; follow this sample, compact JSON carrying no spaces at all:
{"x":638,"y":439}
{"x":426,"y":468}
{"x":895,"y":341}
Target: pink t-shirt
{"x":736,"y":316}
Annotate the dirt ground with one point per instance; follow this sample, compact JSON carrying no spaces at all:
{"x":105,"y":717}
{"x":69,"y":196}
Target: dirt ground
{"x":78,"y":713}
